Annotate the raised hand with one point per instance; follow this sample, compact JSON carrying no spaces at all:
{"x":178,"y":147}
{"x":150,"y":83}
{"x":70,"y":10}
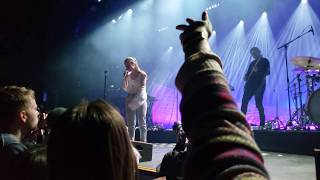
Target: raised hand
{"x":195,"y":35}
{"x":195,"y":27}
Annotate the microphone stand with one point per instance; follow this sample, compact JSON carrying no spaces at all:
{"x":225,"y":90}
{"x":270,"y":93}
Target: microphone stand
{"x":285,"y":46}
{"x":105,"y":85}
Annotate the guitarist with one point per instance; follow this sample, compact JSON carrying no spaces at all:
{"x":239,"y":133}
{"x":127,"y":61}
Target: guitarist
{"x":255,"y":82}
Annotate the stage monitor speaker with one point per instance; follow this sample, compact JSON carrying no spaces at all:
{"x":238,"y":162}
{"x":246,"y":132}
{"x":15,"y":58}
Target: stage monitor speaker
{"x":145,"y":150}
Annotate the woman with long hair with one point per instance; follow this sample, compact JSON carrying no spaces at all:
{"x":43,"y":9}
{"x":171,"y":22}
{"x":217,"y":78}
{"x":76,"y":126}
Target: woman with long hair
{"x":90,"y":141}
{"x":134,"y":83}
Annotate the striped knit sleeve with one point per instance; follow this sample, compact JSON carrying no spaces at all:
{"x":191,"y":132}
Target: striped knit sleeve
{"x":222,"y":145}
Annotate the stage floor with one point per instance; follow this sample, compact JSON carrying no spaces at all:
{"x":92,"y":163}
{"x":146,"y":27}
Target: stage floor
{"x":281,"y":166}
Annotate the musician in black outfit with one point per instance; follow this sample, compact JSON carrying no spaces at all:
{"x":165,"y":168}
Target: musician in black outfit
{"x":255,"y":85}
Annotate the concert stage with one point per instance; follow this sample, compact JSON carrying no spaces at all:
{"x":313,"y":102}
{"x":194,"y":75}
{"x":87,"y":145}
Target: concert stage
{"x":293,"y":142}
{"x":281,"y":166}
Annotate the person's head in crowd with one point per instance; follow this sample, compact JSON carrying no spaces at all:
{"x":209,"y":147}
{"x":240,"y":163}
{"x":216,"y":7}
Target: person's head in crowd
{"x":42,"y":120}
{"x":181,"y":138}
{"x":18,"y":110}
{"x":90,"y":141}
{"x":53,"y":116}
{"x":176,"y":127}
{"x":36,"y":163}
{"x":178,"y":130}
{"x":46,"y":121}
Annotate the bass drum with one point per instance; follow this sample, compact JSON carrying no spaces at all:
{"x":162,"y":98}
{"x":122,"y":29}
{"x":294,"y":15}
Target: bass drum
{"x":313,"y":106}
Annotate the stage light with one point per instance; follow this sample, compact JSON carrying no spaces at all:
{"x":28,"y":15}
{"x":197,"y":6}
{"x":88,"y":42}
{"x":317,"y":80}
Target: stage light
{"x":264,"y":14}
{"x":114,"y":21}
{"x":170,"y":48}
{"x":213,"y":6}
{"x":304,"y":1}
{"x":312,"y":127}
{"x":241,"y":23}
{"x":163,"y":29}
{"x":98,"y":0}
{"x":130,"y":11}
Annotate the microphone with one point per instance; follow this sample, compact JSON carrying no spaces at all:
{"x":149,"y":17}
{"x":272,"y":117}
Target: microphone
{"x":311,"y":30}
{"x":125,"y":73}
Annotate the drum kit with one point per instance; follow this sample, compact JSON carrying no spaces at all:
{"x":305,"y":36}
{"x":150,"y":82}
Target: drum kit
{"x":305,"y":91}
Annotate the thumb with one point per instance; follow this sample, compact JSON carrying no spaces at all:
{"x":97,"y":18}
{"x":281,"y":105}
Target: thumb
{"x":205,"y":16}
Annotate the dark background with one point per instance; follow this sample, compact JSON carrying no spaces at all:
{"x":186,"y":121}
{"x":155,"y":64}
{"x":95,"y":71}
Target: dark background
{"x":31,"y":30}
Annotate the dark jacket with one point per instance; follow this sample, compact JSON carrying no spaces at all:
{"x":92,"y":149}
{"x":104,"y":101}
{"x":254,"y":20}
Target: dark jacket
{"x":12,"y":157}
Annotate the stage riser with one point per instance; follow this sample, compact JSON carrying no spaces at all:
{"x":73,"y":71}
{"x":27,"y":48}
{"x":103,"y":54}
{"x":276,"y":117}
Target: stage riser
{"x":293,"y":142}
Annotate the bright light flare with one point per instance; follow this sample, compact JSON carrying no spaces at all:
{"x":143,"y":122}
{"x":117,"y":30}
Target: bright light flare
{"x":264,"y":14}
{"x":241,"y":23}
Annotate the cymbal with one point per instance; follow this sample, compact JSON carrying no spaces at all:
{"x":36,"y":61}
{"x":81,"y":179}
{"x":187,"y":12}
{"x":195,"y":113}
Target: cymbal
{"x":307,"y":62}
